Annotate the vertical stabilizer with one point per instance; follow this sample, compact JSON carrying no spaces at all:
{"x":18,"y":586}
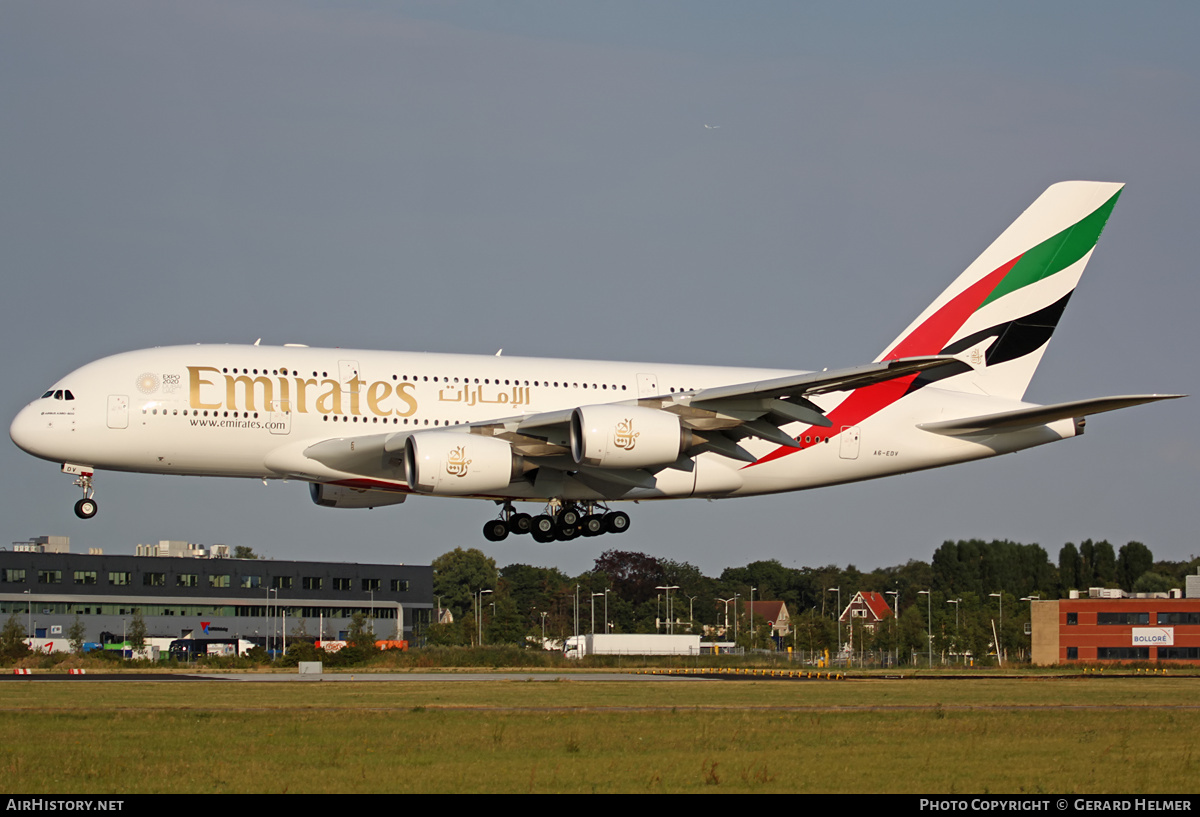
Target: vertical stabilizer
{"x":999,"y":314}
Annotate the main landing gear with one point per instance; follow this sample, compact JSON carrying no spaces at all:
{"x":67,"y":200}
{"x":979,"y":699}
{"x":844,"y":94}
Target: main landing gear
{"x":562,"y":522}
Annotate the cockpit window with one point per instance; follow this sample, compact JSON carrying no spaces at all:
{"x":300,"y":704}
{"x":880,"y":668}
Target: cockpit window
{"x":67,"y":394}
{"x":58,"y":395}
{"x":48,"y":394}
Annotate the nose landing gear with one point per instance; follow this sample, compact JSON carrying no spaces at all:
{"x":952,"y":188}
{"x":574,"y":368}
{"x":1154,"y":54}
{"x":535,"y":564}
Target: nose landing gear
{"x":85,"y":508}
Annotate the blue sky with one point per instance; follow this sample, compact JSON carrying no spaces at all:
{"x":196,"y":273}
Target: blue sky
{"x":537,"y":176}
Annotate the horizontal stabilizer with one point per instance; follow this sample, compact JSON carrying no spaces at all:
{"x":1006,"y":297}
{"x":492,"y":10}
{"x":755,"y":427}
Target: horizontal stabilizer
{"x":1039,"y":415}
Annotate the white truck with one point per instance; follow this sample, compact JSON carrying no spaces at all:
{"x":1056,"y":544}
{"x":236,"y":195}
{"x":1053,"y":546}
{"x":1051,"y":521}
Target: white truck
{"x":631,"y":644}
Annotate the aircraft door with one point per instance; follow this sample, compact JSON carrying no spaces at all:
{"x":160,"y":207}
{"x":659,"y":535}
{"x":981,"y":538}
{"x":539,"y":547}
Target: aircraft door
{"x":347,"y":371}
{"x":281,"y":418}
{"x":347,"y":374}
{"x":118,"y":411}
{"x":850,"y":438}
{"x":647,"y":385}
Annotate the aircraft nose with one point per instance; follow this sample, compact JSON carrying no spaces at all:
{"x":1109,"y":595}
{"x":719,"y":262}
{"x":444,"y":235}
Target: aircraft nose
{"x":33,"y":432}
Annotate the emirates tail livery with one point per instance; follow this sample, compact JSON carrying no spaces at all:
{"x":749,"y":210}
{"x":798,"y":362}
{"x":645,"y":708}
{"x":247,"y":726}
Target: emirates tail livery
{"x":369,"y":428}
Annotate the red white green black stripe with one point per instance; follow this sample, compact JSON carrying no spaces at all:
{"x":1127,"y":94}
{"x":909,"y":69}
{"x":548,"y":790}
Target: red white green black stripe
{"x":1017,"y":302}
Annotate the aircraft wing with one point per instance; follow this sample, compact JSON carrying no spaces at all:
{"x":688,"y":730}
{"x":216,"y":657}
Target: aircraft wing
{"x":717,"y":418}
{"x":987,"y":424}
{"x":829,"y":381}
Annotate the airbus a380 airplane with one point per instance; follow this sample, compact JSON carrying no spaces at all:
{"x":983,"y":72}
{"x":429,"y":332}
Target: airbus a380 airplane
{"x":369,"y":428}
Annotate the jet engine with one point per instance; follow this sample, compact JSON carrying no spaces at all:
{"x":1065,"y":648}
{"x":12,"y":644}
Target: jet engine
{"x":610,"y":436}
{"x":339,"y":496}
{"x":450,"y":463}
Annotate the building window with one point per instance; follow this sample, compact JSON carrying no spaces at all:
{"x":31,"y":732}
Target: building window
{"x":312,"y":583}
{"x":399,"y":586}
{"x":121,"y":579}
{"x":154,"y":579}
{"x":187,"y":580}
{"x":281,"y":582}
{"x":13,"y":575}
{"x":1072,"y":618}
{"x":251,"y":582}
{"x":1122,"y":618}
{"x":85,"y":577}
{"x":1178,"y":653}
{"x":1178,"y":618}
{"x":371,"y":584}
{"x":1072,"y":653}
{"x":218,"y":581}
{"x":49,"y":577}
{"x":343,"y":584}
{"x":1123,"y":653}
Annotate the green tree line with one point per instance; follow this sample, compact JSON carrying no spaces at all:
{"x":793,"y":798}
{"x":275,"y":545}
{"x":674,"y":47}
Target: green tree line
{"x":972,"y":590}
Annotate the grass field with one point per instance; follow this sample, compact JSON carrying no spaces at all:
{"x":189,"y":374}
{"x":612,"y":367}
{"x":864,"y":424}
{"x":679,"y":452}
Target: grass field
{"x":992,"y":735}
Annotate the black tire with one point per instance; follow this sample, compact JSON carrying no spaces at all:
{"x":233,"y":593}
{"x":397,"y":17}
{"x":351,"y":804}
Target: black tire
{"x":495,"y":531}
{"x":86,"y":508}
{"x":565,"y":533}
{"x":520,"y":524}
{"x":543,"y":527}
{"x":592,"y":525}
{"x":616,"y":522}
{"x":568,"y":517}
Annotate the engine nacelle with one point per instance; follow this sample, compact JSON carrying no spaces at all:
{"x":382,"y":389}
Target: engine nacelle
{"x":339,"y":496}
{"x":451,"y":463}
{"x":608,"y":436}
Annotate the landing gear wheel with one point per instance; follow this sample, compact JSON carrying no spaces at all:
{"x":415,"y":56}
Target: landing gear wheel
{"x":592,"y":525}
{"x":568,"y":517}
{"x":520,"y":523}
{"x":616,"y":522}
{"x":496,"y":530}
{"x":86,"y":508}
{"x":542,"y":528}
{"x":565,"y":533}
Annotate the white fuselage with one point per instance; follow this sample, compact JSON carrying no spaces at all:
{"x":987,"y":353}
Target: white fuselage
{"x":251,"y":411}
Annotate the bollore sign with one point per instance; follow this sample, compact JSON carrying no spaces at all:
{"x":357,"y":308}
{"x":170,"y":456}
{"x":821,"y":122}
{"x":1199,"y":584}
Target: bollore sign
{"x":1153,"y":636}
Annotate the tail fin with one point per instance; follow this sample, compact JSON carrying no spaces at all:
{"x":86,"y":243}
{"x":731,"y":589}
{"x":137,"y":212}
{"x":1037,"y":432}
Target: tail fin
{"x":999,"y":314}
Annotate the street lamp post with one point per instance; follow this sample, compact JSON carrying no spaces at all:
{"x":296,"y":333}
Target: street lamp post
{"x":726,"y":603}
{"x":1000,"y":635}
{"x":895,"y":614}
{"x":928,"y":594}
{"x":1031,"y":599}
{"x":270,"y":619}
{"x":668,"y":588}
{"x":955,"y":602}
{"x":838,"y":590}
{"x":753,"y":632}
{"x":594,"y":611}
{"x":479,"y":614}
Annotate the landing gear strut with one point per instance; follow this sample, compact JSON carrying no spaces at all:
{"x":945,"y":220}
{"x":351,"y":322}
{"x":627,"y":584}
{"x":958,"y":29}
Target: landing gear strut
{"x":86,"y":508}
{"x":562,"y":521}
